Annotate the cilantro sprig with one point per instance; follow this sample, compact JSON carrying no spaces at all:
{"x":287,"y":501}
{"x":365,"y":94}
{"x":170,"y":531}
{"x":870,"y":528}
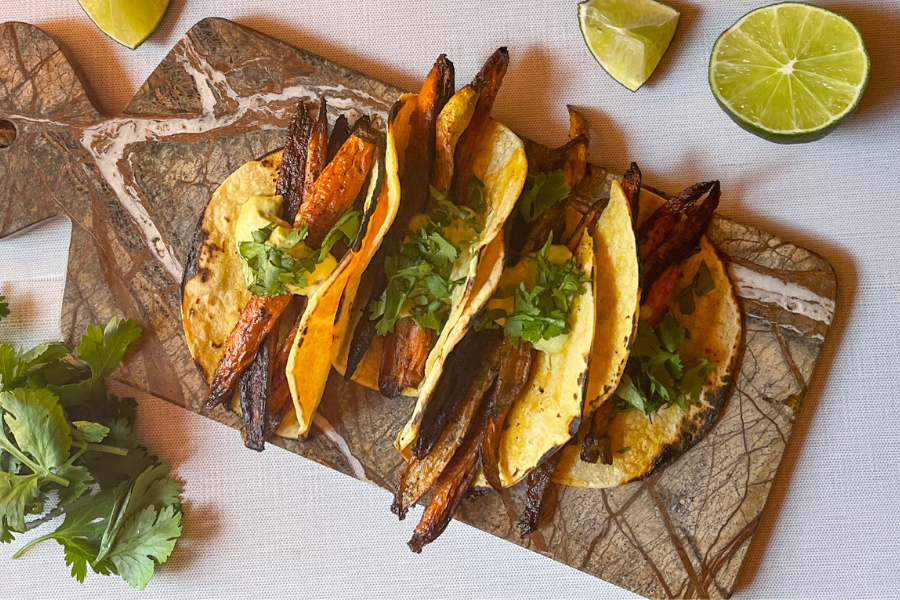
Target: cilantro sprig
{"x":548,"y":190}
{"x":655,"y":376}
{"x":542,"y":312}
{"x":63,"y":438}
{"x":269,"y":269}
{"x":421,"y":271}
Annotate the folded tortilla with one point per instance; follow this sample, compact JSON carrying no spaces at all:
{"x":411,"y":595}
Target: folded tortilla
{"x":641,"y":445}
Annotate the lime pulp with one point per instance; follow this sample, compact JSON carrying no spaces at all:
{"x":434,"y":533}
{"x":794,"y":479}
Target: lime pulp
{"x":789,"y":72}
{"x":627,"y":37}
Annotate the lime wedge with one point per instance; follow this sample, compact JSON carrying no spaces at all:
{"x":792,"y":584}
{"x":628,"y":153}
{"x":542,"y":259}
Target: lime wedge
{"x":789,"y":73}
{"x":129,"y":22}
{"x":627,"y":37}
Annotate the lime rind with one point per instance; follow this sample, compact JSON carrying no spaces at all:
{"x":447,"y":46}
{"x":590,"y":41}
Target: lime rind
{"x":628,"y":38}
{"x":814,"y":75}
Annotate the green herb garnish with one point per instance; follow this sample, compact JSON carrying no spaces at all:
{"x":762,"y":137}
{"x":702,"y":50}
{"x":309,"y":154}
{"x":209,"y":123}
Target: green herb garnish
{"x":655,"y":376}
{"x":700,"y":285}
{"x":61,"y":435}
{"x":541,"y":312}
{"x":548,"y":189}
{"x":623,"y":450}
{"x":268,"y":270}
{"x":476,"y":195}
{"x":421,"y":271}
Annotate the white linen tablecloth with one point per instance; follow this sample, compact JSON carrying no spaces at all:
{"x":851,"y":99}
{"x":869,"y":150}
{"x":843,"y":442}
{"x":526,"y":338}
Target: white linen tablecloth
{"x":275,"y":525}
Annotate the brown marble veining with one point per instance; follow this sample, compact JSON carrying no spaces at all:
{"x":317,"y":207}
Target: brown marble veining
{"x":134,"y":187}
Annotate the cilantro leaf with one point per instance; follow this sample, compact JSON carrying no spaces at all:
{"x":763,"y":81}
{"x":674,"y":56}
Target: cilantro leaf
{"x":297,"y":235}
{"x":15,"y":366}
{"x":686,"y":301}
{"x":261,"y":236}
{"x":655,"y":376}
{"x":694,"y":376}
{"x":441,"y":248}
{"x":153,"y":488}
{"x":17,"y":492}
{"x":628,"y":392}
{"x":38,"y":424}
{"x":346,"y":228}
{"x":4,"y":307}
{"x":87,"y":432}
{"x":548,"y":190}
{"x":10,"y":366}
{"x":45,"y":353}
{"x":420,"y":274}
{"x":269,"y":269}
{"x":150,"y":489}
{"x":103,"y":349}
{"x":58,"y":373}
{"x":476,"y":194}
{"x":80,"y":480}
{"x":703,"y":281}
{"x":110,"y":470}
{"x":147,"y":537}
{"x":447,"y":211}
{"x":81,"y":531}
{"x":671,"y":333}
{"x":700,"y":285}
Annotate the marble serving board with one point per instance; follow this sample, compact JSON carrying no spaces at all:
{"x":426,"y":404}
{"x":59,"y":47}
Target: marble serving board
{"x":134,"y":187}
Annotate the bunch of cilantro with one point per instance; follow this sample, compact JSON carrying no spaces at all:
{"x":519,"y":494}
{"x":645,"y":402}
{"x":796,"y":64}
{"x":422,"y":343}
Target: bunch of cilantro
{"x":543,"y":311}
{"x":64,"y":441}
{"x":268,"y":269}
{"x":655,"y":376}
{"x":420,"y":272}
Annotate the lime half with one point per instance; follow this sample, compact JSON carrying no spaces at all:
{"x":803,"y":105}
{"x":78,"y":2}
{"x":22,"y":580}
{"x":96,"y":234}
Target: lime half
{"x":627,"y":37}
{"x":129,"y":22}
{"x":789,"y":73}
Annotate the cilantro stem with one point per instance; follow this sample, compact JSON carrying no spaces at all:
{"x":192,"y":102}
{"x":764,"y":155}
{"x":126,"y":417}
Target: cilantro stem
{"x":97,"y":448}
{"x":28,"y":545}
{"x":20,"y":456}
{"x":107,"y":449}
{"x":76,"y":456}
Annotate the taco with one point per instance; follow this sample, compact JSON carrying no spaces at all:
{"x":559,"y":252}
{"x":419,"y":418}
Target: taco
{"x":524,"y":366}
{"x":682,"y":364}
{"x":460,"y":175}
{"x":282,"y":236}
{"x":540,"y":425}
